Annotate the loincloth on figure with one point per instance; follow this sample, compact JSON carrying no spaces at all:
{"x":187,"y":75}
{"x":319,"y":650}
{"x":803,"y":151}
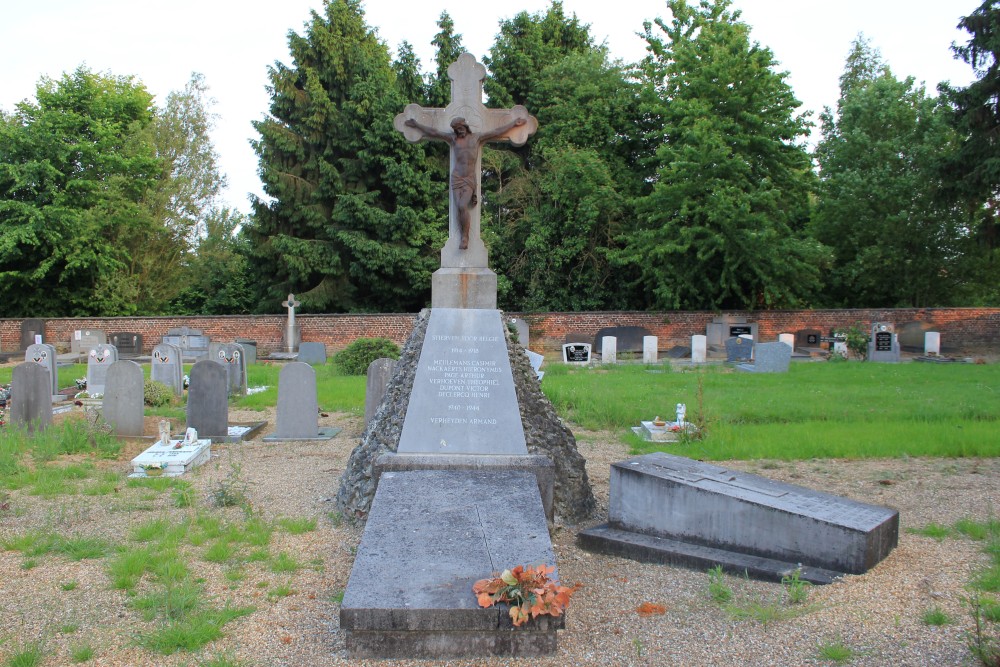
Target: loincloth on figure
{"x":462,"y":185}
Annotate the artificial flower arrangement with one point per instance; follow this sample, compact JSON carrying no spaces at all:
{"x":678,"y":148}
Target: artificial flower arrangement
{"x":529,"y":592}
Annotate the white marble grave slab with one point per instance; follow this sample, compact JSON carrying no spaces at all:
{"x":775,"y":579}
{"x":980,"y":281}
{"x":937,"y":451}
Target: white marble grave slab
{"x":175,"y":458}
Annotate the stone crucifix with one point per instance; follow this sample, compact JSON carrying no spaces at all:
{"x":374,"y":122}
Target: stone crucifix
{"x":466,"y":125}
{"x":291,"y":304}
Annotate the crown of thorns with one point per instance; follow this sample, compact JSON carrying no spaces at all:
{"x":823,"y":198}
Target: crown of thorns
{"x":455,"y":122}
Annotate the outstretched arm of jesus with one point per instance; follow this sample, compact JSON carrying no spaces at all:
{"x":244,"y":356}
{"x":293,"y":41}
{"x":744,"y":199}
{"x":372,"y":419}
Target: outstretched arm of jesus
{"x":428,"y":131}
{"x":500,"y":131}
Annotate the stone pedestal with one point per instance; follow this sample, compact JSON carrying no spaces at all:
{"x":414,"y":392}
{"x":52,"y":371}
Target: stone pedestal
{"x":464,"y":288}
{"x":292,"y":338}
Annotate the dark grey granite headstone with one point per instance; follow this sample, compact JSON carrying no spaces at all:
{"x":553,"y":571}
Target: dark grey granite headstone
{"x":769,"y":358}
{"x":679,"y":352}
{"x":208,"y":400}
{"x":883,"y":345}
{"x":312,"y":353}
{"x":98,"y":362}
{"x":166,"y":366}
{"x":29,"y":329}
{"x":232,"y":357}
{"x":378,"y":375}
{"x":629,"y":338}
{"x":298,"y":411}
{"x":128,"y":344}
{"x":31,"y":390}
{"x":739,"y":349}
{"x":808,"y":338}
{"x":44,"y":355}
{"x":249,"y":349}
{"x":123,"y":398}
{"x":463,"y":399}
{"x":453,"y":528}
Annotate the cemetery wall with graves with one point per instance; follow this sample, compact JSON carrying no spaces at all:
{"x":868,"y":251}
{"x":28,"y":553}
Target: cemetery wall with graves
{"x":965,"y":328}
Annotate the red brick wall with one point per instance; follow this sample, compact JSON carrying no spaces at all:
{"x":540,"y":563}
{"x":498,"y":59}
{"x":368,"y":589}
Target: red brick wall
{"x":966,"y":328}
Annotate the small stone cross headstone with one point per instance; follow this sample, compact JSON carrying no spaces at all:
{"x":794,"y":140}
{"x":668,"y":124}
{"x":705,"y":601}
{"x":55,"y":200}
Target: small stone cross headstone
{"x":292,"y":333}
{"x":31,"y":390}
{"x":98,"y":362}
{"x":208,"y":400}
{"x":44,"y":355}
{"x":166,"y":367}
{"x":123,"y":398}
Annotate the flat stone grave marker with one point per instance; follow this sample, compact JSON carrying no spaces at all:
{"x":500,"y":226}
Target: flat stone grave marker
{"x":312,"y":353}
{"x":29,"y":329}
{"x":377,"y":378}
{"x":576,"y":353}
{"x":166,"y":366}
{"x":678,"y":352}
{"x":98,"y":362}
{"x":31,"y":388}
{"x":739,"y":349}
{"x":628,"y":339}
{"x":231,"y":356}
{"x":127,"y":343}
{"x":769,"y":358}
{"x":172,"y":459}
{"x":208,"y":399}
{"x":123,"y":398}
{"x":44,"y":355}
{"x":84,"y":340}
{"x":298,"y":411}
{"x":463,"y":399}
{"x":192,"y":342}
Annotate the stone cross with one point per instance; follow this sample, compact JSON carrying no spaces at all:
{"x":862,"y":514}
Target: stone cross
{"x":291,"y":305}
{"x":466,"y":124}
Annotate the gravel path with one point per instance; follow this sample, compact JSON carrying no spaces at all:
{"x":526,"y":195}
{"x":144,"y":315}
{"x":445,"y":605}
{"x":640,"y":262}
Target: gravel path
{"x":877,"y":615}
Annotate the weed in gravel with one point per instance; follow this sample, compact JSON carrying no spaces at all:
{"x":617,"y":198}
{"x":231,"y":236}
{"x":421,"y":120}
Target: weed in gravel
{"x":718,"y":590}
{"x":128,"y":566}
{"x":284,"y":563}
{"x":82,"y":547}
{"x":27,"y":656}
{"x":835,"y":651}
{"x":221,"y":660}
{"x":936,"y":616}
{"x":297,"y":526}
{"x":338,"y":597}
{"x":32,"y":543}
{"x":259,"y":556}
{"x":978,"y":530}
{"x":220,"y":552}
{"x":795,"y":587}
{"x":256,"y":532}
{"x":29,"y":564}
{"x":234,"y":575}
{"x":281,"y":591}
{"x":762,"y":612}
{"x":69,"y":585}
{"x":192,"y":632}
{"x":336,"y":518}
{"x":932,"y":530}
{"x":231,"y":491}
{"x":174,"y":601}
{"x":81,"y":653}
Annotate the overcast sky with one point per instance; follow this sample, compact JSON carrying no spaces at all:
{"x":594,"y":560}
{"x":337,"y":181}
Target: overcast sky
{"x":232,"y":43}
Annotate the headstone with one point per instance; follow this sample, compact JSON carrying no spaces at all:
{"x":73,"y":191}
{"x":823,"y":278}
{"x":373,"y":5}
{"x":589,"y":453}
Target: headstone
{"x":678,"y":352}
{"x":839,"y":343}
{"x":576,"y":353}
{"x":808,"y":338}
{"x":249,"y":349}
{"x":31,"y":328}
{"x":627,"y":339}
{"x":298,"y":410}
{"x":292,"y":336}
{"x":769,"y":358}
{"x":536,"y":363}
{"x":44,"y":355}
{"x":166,"y":366}
{"x":609,"y":350}
{"x":208,"y":399}
{"x":123,"y":398}
{"x":312,"y":353}
{"x":724,"y":327}
{"x":31,"y":389}
{"x":667,"y":508}
{"x":699,"y":349}
{"x":85,"y":340}
{"x":231,"y":356}
{"x":379,"y":373}
{"x":883,"y":345}
{"x":127,"y":343}
{"x":649,"y":349}
{"x":932,"y":343}
{"x":98,"y":362}
{"x":523,"y":331}
{"x":788,"y":339}
{"x":739,"y":349}
{"x":192,"y":342}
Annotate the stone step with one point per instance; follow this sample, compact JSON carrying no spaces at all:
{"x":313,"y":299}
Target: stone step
{"x":430,"y":535}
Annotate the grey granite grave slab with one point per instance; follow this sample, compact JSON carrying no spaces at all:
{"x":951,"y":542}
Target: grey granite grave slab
{"x":98,"y":362}
{"x":377,"y":378}
{"x":123,"y":398}
{"x":701,"y":504}
{"x":298,"y":411}
{"x":29,"y":329}
{"x":463,"y":399}
{"x":45,"y":355}
{"x":172,"y":459}
{"x":769,"y":358}
{"x":128,"y":343}
{"x":430,"y":536}
{"x":233,"y":359}
{"x":739,"y":349}
{"x":678,"y":352}
{"x":84,"y":340}
{"x":208,"y":400}
{"x":31,"y":387}
{"x":312,"y":353}
{"x":166,"y":366}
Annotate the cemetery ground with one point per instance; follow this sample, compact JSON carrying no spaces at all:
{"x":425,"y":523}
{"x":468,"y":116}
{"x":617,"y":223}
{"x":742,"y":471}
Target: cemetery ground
{"x":245,"y":561}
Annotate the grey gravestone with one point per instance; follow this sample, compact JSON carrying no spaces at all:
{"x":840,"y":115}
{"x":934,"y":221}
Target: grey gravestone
{"x":231,"y":356}
{"x":932,"y":343}
{"x":127,"y":343}
{"x":536,"y":360}
{"x":678,"y":352}
{"x":98,"y":362}
{"x":650,"y":348}
{"x":378,"y":375}
{"x":44,"y":354}
{"x":29,"y":329}
{"x":609,"y":350}
{"x":463,"y":399}
{"x":729,"y":326}
{"x":166,"y":367}
{"x":769,"y":358}
{"x":808,"y":338}
{"x":84,"y":340}
{"x":123,"y":398}
{"x":576,"y":353}
{"x":699,"y":349}
{"x":738,"y":349}
{"x":208,"y":400}
{"x":312,"y":353}
{"x":298,"y":411}
{"x":668,"y":508}
{"x":249,"y":349}
{"x":293,"y":335}
{"x":883,"y":346}
{"x":629,"y":339}
{"x":192,"y":342}
{"x":523,"y":331}
{"x":31,"y":388}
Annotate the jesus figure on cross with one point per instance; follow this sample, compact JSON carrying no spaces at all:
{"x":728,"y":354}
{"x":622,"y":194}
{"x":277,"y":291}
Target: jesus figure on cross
{"x":465,"y":147}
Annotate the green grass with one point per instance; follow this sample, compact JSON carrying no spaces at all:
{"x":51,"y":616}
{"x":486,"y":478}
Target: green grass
{"x":81,"y":653}
{"x":936,"y":616}
{"x":297,"y":526}
{"x":816,"y":410}
{"x":933,"y":530}
{"x":718,"y":589}
{"x":193,"y":631}
{"x":284,"y":563}
{"x":836,"y":651}
{"x":26,"y":656}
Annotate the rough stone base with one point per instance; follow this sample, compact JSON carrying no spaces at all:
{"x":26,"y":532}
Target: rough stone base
{"x":518,"y":642}
{"x":464,"y":288}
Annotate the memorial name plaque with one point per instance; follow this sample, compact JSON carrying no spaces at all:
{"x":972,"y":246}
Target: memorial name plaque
{"x":463,"y":399}
{"x":740,"y":330}
{"x":883,"y":341}
{"x":576,"y":353}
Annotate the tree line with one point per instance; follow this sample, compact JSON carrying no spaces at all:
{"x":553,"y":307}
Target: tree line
{"x":679,"y":182}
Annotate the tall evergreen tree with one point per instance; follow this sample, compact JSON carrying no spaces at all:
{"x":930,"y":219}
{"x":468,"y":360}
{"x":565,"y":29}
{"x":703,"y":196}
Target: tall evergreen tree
{"x":353,"y":223}
{"x":722,"y":225}
{"x":447,"y":48}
